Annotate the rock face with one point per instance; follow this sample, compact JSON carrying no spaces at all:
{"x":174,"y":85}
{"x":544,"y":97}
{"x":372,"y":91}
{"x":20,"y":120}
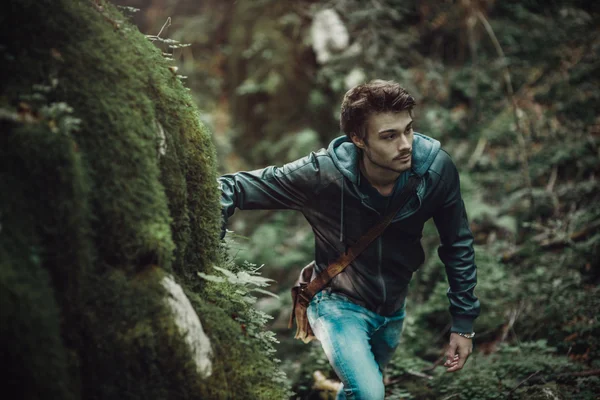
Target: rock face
{"x":109,"y":207}
{"x":112,"y":196}
{"x":189,"y":325}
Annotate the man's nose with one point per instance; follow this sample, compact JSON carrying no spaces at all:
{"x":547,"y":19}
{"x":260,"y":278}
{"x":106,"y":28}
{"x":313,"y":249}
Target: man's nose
{"x":404,"y":145}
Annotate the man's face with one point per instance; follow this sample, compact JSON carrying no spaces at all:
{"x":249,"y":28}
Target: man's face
{"x":389,"y":141}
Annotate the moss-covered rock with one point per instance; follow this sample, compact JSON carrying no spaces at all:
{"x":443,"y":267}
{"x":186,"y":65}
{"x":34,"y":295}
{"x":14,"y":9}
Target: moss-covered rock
{"x":108,"y":184}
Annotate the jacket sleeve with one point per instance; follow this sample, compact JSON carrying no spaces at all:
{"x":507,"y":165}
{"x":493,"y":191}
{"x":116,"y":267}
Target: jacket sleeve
{"x":271,"y":188}
{"x":456,"y":251}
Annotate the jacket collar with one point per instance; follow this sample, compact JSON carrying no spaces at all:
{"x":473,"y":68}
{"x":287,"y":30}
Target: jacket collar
{"x":345,"y":155}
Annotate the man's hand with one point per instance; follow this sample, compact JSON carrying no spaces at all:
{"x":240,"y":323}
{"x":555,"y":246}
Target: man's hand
{"x":458,"y":351}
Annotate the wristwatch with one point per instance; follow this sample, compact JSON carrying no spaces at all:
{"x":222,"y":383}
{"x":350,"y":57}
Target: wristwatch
{"x":466,"y":335}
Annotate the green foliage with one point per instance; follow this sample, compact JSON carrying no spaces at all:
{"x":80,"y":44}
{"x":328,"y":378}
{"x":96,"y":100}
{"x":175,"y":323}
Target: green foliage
{"x":245,"y":279}
{"x":404,"y":363}
{"x":493,"y":376}
{"x":495,"y":289}
{"x":243,"y":344}
{"x":294,"y":246}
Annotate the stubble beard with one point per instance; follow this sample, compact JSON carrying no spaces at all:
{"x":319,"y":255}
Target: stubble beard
{"x":388,"y":167}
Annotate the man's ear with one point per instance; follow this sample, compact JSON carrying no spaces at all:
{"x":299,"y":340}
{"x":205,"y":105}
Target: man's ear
{"x":357,"y":141}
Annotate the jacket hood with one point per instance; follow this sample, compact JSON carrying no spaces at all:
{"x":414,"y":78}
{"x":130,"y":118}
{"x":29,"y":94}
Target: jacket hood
{"x":345,"y":155}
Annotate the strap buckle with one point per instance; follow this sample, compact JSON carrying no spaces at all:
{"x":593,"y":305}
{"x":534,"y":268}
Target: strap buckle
{"x":303,"y":296}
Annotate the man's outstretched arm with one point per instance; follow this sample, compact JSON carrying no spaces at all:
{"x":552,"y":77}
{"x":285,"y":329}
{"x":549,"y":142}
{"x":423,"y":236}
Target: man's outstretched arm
{"x":271,"y":188}
{"x":457,"y":254}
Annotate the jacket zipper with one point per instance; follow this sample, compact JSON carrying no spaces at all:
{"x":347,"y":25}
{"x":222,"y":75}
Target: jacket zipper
{"x":380,"y":246}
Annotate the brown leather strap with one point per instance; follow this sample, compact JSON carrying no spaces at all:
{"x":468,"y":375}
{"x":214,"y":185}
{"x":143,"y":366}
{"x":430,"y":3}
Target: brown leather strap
{"x":317,"y":284}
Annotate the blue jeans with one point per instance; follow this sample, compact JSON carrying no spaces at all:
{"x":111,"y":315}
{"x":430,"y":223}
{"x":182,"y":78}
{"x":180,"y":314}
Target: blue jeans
{"x":358,"y":343}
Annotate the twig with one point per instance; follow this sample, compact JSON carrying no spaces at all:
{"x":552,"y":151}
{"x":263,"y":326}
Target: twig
{"x":580,"y":374}
{"x":582,"y":233}
{"x":451,"y":396}
{"x":513,"y":318}
{"x":419,"y":374}
{"x":478,"y":152}
{"x":440,"y":360}
{"x":165,"y":25}
{"x":437,"y":363}
{"x":511,"y":97}
{"x":552,"y":180}
{"x":522,"y":382}
{"x":413,"y":373}
{"x":573,"y":237}
{"x":512,"y":327}
{"x":590,"y":372}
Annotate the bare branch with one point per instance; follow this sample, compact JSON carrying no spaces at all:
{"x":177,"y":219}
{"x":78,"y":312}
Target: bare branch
{"x":511,"y":97}
{"x":165,"y":25}
{"x":522,"y":382}
{"x":477,"y":153}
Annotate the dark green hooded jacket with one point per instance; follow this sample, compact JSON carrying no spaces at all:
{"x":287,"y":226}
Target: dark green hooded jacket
{"x":325,"y":186}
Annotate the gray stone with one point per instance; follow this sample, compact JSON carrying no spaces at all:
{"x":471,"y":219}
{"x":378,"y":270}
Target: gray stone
{"x":189,"y":325}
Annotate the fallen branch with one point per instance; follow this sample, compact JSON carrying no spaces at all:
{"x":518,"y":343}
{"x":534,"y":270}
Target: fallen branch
{"x":580,"y":374}
{"x":441,"y":359}
{"x":573,"y":237}
{"x":437,"y":363}
{"x":522,"y":382}
{"x":412,"y":373}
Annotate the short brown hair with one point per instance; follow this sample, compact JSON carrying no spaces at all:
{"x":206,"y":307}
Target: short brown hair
{"x":376,"y":96}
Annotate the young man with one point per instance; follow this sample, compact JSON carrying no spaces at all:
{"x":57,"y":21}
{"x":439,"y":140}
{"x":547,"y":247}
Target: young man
{"x":345,"y":190}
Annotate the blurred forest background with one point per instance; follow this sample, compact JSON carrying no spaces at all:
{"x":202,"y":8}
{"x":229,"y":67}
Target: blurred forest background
{"x":510,"y":88}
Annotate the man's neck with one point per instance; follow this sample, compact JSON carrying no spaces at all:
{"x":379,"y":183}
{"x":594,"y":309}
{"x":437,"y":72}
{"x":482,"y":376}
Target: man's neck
{"x":381,"y":179}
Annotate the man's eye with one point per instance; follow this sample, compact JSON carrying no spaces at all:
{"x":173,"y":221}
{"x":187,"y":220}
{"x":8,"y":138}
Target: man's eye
{"x":392,"y":136}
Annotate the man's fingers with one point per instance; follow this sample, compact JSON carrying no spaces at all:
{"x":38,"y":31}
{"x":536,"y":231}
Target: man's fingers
{"x":463,"y":358}
{"x":451,"y":361}
{"x":451,"y":353}
{"x":453,"y":368}
{"x":458,"y":363}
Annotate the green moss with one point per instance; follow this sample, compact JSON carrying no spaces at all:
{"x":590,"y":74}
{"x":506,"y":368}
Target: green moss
{"x":32,"y":284}
{"x":141,"y":351}
{"x":32,"y":351}
{"x":104,"y":200}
